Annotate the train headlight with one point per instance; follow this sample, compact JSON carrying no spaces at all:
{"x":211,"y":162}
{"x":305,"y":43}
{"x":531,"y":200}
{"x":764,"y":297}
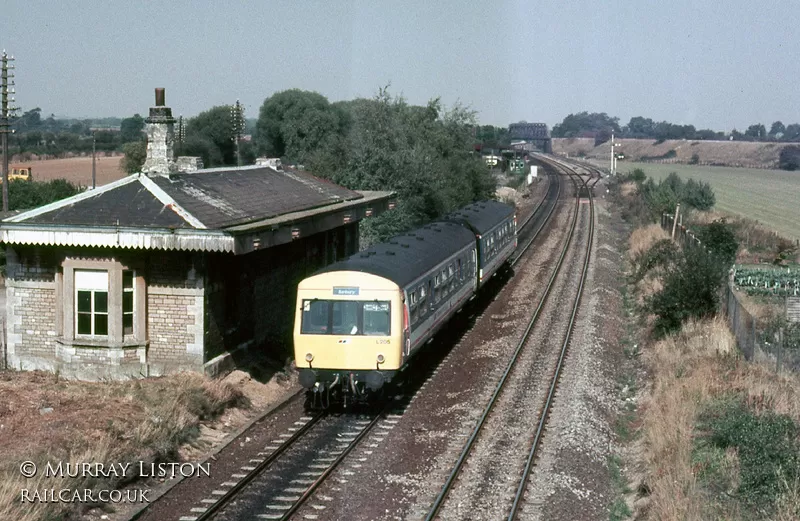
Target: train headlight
{"x":309,"y":357}
{"x":381,"y":359}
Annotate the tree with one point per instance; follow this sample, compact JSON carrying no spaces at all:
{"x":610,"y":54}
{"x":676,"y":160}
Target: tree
{"x":31,"y":194}
{"x":212,"y":131}
{"x":639,"y":127}
{"x":792,"y":132}
{"x":584,"y":122}
{"x":294,"y":123}
{"x":130,"y":129}
{"x":757,"y":131}
{"x":424,"y":153}
{"x":789,"y":158}
{"x":776,"y":128}
{"x":135,"y":155}
{"x":30,"y":120}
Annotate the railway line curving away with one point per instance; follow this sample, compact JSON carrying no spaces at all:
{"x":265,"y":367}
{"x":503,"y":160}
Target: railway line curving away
{"x":392,"y":463}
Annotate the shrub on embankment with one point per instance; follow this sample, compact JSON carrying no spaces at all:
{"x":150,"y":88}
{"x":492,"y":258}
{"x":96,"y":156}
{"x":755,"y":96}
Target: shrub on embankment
{"x":720,"y":435}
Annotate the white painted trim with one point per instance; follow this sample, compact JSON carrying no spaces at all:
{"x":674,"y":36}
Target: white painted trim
{"x":70,"y":200}
{"x":114,"y":238}
{"x":170,"y":203}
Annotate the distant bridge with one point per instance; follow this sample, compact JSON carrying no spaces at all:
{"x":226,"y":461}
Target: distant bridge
{"x":536,"y":134}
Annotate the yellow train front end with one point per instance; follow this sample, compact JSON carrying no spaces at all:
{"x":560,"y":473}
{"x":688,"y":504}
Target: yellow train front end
{"x":348,"y":335}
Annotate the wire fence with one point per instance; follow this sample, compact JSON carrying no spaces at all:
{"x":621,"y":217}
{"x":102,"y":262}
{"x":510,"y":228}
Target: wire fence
{"x":775,"y":341}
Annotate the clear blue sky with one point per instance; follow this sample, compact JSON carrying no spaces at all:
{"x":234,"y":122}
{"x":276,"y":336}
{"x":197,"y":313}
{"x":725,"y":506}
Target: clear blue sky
{"x":712,"y":64}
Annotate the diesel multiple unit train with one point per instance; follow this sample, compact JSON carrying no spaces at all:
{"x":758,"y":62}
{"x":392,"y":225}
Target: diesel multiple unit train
{"x":359,"y":321}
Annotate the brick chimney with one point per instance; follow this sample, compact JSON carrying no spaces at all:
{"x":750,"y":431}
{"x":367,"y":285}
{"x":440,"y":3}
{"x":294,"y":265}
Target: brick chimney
{"x":160,"y":138}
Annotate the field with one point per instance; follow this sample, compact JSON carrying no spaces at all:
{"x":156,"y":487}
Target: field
{"x":78,"y":170}
{"x":768,"y":196}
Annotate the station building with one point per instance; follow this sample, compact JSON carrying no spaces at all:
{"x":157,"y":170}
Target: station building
{"x":170,"y":270}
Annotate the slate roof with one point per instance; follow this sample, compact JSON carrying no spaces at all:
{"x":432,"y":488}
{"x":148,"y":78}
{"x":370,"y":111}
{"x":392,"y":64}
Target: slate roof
{"x":213,"y":199}
{"x":224,"y":198}
{"x":130,"y":205}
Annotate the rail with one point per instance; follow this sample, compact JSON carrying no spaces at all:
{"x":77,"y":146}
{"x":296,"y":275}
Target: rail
{"x":441,"y":498}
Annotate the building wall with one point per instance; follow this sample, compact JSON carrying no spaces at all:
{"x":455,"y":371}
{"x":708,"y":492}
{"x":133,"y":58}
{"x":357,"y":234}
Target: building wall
{"x":30,"y":309}
{"x":169,"y":317}
{"x":250,"y":299}
{"x":175,"y":317}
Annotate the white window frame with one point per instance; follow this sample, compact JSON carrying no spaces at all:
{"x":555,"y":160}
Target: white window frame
{"x":92,"y":281}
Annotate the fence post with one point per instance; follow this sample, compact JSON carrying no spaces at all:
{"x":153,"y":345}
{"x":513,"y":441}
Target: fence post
{"x":779,"y":354}
{"x":675,"y":220}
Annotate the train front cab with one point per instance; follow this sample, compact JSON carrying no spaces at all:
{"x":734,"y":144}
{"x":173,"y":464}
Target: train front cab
{"x":348,"y":333}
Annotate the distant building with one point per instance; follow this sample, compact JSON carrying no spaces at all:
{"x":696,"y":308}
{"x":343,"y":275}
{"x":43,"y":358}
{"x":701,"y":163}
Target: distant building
{"x":167,"y":270}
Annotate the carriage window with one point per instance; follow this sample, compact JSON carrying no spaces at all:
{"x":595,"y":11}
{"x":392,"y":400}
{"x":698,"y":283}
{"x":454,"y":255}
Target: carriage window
{"x":345,"y":317}
{"x":315,"y":317}
{"x":376,"y":318}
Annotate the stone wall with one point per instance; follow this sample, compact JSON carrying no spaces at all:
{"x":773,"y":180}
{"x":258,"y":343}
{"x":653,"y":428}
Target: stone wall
{"x":173,"y":327}
{"x":175,"y":318}
{"x":30,"y":309}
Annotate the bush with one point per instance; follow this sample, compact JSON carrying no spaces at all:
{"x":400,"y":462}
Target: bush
{"x":720,"y":238}
{"x":691,"y":290}
{"x":695,"y":158}
{"x":698,"y":195}
{"x":789,"y":158}
{"x":661,"y":254}
{"x":31,"y":194}
{"x":766,"y":443}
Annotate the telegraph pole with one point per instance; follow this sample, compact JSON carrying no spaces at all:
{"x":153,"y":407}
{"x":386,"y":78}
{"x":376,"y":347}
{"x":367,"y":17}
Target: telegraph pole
{"x":181,"y":135}
{"x":94,"y":176}
{"x":237,"y":124}
{"x":5,"y":116}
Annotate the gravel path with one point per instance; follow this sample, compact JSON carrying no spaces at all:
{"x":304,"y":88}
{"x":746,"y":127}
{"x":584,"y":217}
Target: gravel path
{"x":571,"y":480}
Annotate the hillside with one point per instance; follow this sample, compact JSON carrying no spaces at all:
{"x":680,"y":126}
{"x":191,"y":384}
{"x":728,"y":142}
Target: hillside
{"x":722,"y":153}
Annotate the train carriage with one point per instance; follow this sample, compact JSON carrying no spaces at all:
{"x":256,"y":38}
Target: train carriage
{"x":360,"y":320}
{"x":495,"y":227}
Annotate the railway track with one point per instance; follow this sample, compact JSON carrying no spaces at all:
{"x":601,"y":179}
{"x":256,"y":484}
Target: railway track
{"x":286,"y":473}
{"x":513,"y":371}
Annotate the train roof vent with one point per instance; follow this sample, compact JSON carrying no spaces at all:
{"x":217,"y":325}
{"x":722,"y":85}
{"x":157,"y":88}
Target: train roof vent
{"x":420,"y":238}
{"x":389,"y":252}
{"x":364,"y":254}
{"x":392,"y":242}
{"x":373,"y":253}
{"x":404,"y":245}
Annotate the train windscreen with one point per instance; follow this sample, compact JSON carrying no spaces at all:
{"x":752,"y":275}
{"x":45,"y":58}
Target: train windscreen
{"x":346,"y":317}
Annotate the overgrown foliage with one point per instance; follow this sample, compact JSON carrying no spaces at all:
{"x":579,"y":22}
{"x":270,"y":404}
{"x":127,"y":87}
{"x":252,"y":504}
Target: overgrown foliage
{"x":720,"y":239}
{"x":651,"y":199}
{"x":767,"y":445}
{"x":31,"y":194}
{"x":789,"y":158}
{"x":691,"y":290}
{"x":422,"y":153}
{"x":135,"y":156}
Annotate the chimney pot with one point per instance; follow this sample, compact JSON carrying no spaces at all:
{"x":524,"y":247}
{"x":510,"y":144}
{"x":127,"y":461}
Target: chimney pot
{"x":160,"y":97}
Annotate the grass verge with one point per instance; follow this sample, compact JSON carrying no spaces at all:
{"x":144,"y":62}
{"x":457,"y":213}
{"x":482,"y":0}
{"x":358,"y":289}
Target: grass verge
{"x":45,"y":419}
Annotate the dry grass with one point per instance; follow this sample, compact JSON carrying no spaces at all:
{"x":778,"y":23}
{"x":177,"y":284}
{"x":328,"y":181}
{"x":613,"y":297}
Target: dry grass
{"x":689,"y":370}
{"x":140,"y":420}
{"x":628,"y":189}
{"x":642,"y":239}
